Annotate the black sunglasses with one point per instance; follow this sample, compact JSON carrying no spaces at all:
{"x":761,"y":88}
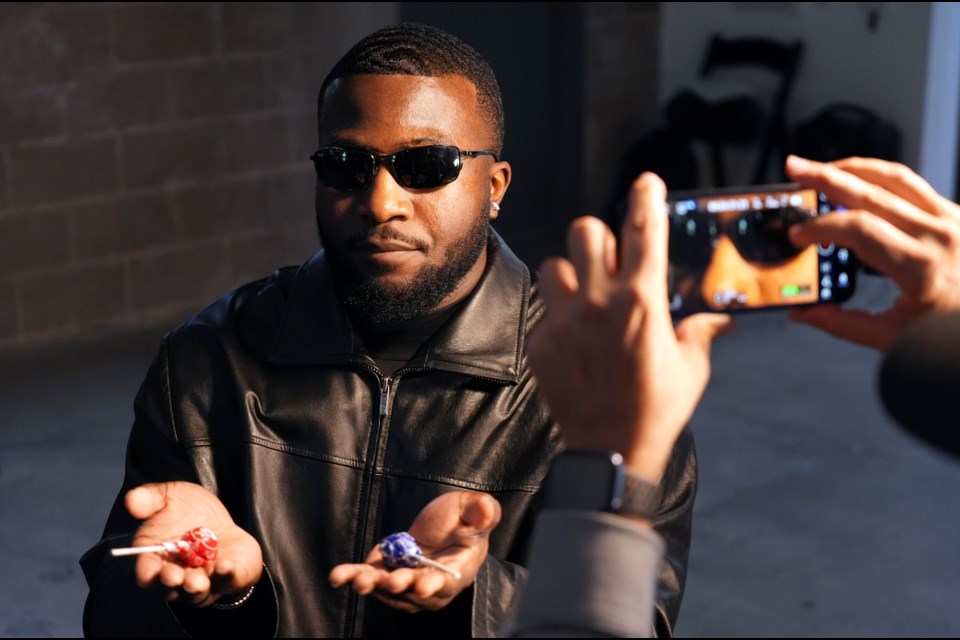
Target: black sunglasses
{"x":759,"y":236}
{"x":417,"y":168}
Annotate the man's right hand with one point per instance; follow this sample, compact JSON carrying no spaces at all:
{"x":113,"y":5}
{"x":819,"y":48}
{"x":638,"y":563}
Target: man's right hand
{"x":169,"y":510}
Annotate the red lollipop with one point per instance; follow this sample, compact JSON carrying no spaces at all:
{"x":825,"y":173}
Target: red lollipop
{"x":196,"y":548}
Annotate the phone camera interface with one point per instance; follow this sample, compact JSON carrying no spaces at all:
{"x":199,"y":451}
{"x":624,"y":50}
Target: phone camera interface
{"x":731,"y":252}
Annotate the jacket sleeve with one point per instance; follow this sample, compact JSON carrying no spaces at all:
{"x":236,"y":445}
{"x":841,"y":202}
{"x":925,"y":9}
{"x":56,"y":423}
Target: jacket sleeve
{"x":496,"y":591}
{"x":674,"y":522}
{"x":115,"y":606}
{"x":591,"y":575}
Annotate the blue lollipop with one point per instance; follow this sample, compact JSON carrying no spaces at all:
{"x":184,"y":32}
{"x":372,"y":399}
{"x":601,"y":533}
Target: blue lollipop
{"x":401,"y":550}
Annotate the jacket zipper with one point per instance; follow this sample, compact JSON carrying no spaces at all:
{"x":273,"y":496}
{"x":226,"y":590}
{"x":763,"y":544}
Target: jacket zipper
{"x":384,"y":399}
{"x":383,"y":411}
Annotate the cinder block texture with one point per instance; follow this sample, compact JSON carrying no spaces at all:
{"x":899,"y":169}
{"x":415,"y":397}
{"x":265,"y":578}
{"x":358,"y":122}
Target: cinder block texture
{"x":48,"y":42}
{"x":155,"y":155}
{"x":164,"y":31}
{"x":62,"y":171}
{"x":65,"y":300}
{"x":165,"y":158}
{"x":34,"y":241}
{"x":124,"y":225}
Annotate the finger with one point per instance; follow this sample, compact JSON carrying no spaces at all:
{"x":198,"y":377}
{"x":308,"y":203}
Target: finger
{"x":398,"y":580}
{"x":610,"y":253}
{"x":897,"y":179}
{"x":368,"y":579}
{"x":643,"y":239}
{"x":147,"y":568}
{"x":876,"y":242}
{"x":853,"y":192}
{"x":558,"y":282}
{"x":429,"y":584}
{"x":145,"y":500}
{"x":853,"y":325}
{"x":171,"y":575}
{"x":343,"y":574}
{"x":588,"y":240}
{"x":197,"y":585}
{"x":480,"y":511}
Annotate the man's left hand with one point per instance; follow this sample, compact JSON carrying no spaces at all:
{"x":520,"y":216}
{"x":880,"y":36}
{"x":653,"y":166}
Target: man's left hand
{"x":453,"y":529}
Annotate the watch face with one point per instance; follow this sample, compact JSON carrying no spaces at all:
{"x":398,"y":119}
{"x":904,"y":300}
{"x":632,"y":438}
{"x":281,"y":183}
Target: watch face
{"x":591,"y":480}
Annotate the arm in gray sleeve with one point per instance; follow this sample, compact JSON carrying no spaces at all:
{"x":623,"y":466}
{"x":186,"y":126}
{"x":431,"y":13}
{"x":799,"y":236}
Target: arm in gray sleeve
{"x":590,"y":574}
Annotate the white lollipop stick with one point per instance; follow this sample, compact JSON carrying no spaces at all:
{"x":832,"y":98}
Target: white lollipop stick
{"x":438,"y":565}
{"x":196,"y":548}
{"x":168,"y":547}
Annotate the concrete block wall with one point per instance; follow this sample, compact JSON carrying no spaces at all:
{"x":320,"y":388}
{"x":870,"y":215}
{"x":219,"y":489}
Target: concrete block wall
{"x":155,"y":155}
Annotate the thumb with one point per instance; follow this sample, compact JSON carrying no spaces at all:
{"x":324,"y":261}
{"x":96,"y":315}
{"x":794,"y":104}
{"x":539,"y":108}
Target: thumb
{"x":702,"y":329}
{"x":480,"y":511}
{"x":145,"y":500}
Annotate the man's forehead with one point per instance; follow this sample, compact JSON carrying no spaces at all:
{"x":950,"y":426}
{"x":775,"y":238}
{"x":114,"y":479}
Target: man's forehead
{"x":424,"y":106}
{"x":397,"y":83}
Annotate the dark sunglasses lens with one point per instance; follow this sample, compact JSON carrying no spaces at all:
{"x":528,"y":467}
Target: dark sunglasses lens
{"x":344,"y":169}
{"x":691,"y":241}
{"x":426,"y":167}
{"x":761,"y":236}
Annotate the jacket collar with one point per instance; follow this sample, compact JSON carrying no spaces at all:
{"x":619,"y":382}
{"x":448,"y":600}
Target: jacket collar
{"x":484,"y":337}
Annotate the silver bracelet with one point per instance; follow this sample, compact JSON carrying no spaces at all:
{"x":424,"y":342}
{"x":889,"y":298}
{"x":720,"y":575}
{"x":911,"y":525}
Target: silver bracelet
{"x":239,"y":602}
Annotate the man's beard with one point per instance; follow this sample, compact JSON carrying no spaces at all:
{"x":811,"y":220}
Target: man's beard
{"x":392,"y":305}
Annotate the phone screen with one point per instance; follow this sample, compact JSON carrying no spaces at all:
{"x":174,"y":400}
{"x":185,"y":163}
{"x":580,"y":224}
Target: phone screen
{"x":729,"y":251}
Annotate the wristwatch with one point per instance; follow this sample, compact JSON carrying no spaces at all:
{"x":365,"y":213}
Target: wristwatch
{"x":598,"y":481}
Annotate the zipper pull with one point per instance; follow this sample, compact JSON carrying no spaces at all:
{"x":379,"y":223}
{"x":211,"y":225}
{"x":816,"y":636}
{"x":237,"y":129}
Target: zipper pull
{"x":384,"y":396}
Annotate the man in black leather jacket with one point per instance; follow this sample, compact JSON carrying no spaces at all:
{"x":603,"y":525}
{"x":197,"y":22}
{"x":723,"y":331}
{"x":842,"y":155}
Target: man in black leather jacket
{"x":304,"y":416}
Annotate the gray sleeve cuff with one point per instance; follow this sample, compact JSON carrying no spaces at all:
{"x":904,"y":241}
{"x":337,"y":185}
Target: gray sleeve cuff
{"x":590,"y":574}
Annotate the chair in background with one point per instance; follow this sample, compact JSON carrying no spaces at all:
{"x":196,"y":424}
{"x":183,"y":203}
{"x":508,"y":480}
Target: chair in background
{"x":723,"y":115}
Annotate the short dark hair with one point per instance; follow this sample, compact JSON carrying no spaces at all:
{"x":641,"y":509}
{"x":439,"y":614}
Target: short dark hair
{"x":413,"y":49}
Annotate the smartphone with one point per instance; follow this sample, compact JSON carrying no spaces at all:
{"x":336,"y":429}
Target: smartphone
{"x":729,"y":251}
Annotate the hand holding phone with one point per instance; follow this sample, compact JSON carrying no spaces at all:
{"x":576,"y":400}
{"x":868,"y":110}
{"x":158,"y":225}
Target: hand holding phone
{"x":729,"y":251}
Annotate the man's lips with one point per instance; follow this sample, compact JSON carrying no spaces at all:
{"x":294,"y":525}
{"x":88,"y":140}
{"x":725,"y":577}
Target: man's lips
{"x":384,"y":246}
{"x":383,"y":241}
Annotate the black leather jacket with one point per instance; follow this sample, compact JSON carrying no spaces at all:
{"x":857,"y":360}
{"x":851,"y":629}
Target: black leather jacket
{"x":268,"y":399}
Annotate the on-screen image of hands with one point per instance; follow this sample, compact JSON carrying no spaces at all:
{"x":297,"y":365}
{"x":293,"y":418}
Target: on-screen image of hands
{"x":614,"y":370}
{"x":896,"y":224}
{"x":453,"y":529}
{"x":170,"y":509}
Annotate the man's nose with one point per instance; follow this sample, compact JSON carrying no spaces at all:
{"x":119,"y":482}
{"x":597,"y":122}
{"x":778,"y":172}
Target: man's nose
{"x":386,"y":199}
{"x":729,"y":281}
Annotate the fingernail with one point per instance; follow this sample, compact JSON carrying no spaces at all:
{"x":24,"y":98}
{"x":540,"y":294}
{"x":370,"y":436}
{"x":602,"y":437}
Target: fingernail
{"x":797,"y":163}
